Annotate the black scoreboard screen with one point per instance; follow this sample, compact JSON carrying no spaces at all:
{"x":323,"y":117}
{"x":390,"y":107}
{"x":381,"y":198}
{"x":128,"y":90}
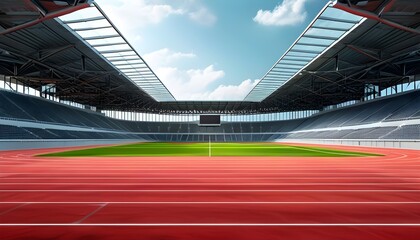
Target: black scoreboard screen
{"x":209,"y":120}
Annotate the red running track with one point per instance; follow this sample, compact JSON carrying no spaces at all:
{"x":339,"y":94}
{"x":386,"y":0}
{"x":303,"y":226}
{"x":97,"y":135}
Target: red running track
{"x":211,"y":198}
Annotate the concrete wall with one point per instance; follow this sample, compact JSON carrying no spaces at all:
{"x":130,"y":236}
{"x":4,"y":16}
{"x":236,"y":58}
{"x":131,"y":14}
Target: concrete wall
{"x":55,"y":143}
{"x":406,"y":144}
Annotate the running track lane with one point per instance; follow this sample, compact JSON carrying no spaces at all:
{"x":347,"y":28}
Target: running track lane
{"x":210,"y":198}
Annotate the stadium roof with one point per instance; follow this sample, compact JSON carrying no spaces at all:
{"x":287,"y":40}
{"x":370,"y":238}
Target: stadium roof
{"x":323,"y":33}
{"x":97,"y":31}
{"x":333,"y":61}
{"x":373,"y":53}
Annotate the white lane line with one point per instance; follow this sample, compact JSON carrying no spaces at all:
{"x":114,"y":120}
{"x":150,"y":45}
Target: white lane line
{"x":367,"y":170}
{"x":277,"y":203}
{"x":210,"y":224}
{"x":327,"y":172}
{"x":201,"y":178}
{"x":219,"y":167}
{"x":314,"y":162}
{"x":210,"y":190}
{"x":216,"y":183}
{"x":280,"y":163}
{"x":215,"y":164}
{"x":210,"y":175}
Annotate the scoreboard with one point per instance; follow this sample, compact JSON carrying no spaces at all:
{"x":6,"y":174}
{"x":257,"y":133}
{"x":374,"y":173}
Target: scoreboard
{"x":209,"y":120}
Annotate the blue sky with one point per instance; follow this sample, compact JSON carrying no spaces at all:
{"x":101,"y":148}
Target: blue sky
{"x":214,"y":49}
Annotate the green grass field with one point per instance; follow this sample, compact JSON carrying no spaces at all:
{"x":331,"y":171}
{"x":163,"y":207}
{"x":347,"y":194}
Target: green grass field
{"x":206,"y":149}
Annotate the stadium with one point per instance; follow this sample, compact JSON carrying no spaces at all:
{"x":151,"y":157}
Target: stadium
{"x":93,"y":144}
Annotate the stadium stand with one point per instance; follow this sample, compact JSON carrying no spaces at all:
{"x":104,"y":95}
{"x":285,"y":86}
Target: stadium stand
{"x":376,"y":119}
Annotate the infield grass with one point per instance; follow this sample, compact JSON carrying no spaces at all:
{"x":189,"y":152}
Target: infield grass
{"x":160,"y":149}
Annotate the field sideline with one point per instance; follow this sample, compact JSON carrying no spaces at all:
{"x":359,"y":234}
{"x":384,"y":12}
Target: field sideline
{"x":161,"y":149}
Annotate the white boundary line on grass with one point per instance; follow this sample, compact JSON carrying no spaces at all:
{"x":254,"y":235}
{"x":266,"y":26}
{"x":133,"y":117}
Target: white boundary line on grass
{"x":209,"y":146}
{"x":311,"y":149}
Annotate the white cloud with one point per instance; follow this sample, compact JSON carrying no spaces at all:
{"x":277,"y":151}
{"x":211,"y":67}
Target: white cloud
{"x":290,"y":12}
{"x":228,"y":92}
{"x":201,"y":78}
{"x":165,"y":57}
{"x":182,"y":83}
{"x":129,"y":16}
{"x":132,"y":14}
{"x":186,"y":84}
{"x":203,"y":16}
{"x":193,"y":84}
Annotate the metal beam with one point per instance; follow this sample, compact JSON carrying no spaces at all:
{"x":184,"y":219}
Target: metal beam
{"x":126,"y":64}
{"x":331,"y":28}
{"x":296,"y":60}
{"x":363,"y":51}
{"x":338,"y":19}
{"x":115,"y":51}
{"x":90,"y":28}
{"x":123,"y":60}
{"x":302,"y":58}
{"x":57,"y":71}
{"x":101,"y":37}
{"x":319,"y":37}
{"x":46,"y":17}
{"x":373,"y":16}
{"x":312,"y":44}
{"x":116,"y":58}
{"x":107,"y":44}
{"x":43,"y":58}
{"x":85,"y":20}
{"x":41,"y":9}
